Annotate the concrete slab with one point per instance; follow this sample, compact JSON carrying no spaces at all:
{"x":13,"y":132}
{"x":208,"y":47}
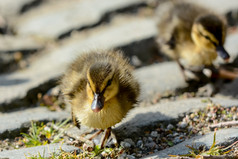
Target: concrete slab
{"x":12,"y":123}
{"x":144,"y":117}
{"x":60,"y":17}
{"x":44,"y":151}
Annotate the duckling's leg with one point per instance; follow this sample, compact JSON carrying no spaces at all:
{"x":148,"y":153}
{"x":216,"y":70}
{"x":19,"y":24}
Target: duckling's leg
{"x":106,"y":136}
{"x":182,"y":70}
{"x":96,"y":134}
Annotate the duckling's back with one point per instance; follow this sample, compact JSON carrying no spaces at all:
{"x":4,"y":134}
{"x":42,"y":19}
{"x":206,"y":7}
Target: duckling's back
{"x":174,"y":23}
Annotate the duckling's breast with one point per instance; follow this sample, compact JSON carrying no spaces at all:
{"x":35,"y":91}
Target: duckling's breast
{"x":111,"y":114}
{"x":195,"y":57}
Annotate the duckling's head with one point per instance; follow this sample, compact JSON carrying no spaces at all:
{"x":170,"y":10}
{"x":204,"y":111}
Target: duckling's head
{"x":102,"y":84}
{"x":208,"y":33}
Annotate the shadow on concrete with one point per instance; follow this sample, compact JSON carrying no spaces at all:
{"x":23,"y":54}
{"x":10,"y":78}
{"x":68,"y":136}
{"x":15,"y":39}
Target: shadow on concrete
{"x":139,"y":124}
{"x":4,"y":81}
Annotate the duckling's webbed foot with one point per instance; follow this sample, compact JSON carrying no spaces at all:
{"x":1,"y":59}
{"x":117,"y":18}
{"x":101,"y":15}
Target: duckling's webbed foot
{"x":207,"y":90}
{"x":198,"y":74}
{"x":193,"y":74}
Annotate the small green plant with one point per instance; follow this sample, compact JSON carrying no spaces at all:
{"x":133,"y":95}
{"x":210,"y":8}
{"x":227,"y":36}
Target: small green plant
{"x":41,"y":134}
{"x":96,"y":152}
{"x":201,"y":151}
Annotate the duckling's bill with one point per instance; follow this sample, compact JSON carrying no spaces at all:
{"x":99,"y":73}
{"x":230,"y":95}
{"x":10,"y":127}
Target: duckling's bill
{"x":222,"y":53}
{"x":98,"y":102}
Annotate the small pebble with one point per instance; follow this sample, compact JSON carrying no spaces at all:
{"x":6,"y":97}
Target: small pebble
{"x":177,"y":140}
{"x":182,"y":125}
{"x":130,"y":157}
{"x":169,"y":135}
{"x":150,"y":145}
{"x":192,"y":116}
{"x":150,"y":139}
{"x":156,"y":151}
{"x":139,"y":143}
{"x":144,"y":139}
{"x":125,"y":144}
{"x":195,"y":118}
{"x":170,"y":127}
{"x":154,"y":134}
{"x":190,"y":128}
{"x":209,"y":114}
{"x":175,"y":134}
{"x":130,"y":141}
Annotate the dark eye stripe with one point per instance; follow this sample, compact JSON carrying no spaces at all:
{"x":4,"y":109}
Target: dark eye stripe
{"x":109,"y":82}
{"x":208,"y":38}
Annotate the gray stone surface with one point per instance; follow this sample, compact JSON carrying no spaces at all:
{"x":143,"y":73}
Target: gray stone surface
{"x":159,"y":78}
{"x":230,"y":89}
{"x":53,"y":62}
{"x":142,"y":117}
{"x":231,"y":45}
{"x":16,"y":43}
{"x":133,"y":124}
{"x":12,"y":7}
{"x":221,"y":136}
{"x":44,"y":151}
{"x":11,"y":122}
{"x":220,"y":6}
{"x":60,"y":17}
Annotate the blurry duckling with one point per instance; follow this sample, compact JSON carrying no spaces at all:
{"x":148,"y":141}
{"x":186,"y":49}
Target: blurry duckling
{"x":101,"y":90}
{"x":191,"y":35}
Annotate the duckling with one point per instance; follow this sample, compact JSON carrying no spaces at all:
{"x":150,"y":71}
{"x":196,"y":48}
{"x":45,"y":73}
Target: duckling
{"x":190,"y":34}
{"x":101,"y":90}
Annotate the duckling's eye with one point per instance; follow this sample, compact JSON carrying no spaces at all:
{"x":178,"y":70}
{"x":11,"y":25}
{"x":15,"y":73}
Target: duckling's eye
{"x":207,"y":37}
{"x":109,"y":82}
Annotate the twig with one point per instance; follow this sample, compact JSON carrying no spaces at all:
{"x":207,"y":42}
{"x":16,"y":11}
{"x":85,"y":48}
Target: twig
{"x":220,"y":157}
{"x":230,"y":146}
{"x":225,"y":74}
{"x":223,"y":124}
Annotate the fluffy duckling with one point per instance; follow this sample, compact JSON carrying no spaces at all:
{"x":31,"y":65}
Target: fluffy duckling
{"x":190,"y":34}
{"x":101,"y":89}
